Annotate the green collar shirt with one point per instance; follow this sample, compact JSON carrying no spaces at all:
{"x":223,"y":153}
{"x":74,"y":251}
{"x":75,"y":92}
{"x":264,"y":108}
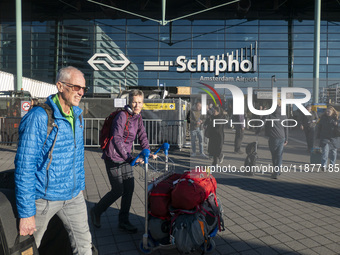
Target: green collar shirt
{"x":70,"y":116}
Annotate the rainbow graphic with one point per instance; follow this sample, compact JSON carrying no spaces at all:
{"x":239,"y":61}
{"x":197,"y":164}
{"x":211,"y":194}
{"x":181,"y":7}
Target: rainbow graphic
{"x":204,"y":99}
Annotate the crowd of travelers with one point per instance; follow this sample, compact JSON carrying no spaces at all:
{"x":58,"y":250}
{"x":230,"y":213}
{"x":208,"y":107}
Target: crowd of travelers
{"x":320,"y":131}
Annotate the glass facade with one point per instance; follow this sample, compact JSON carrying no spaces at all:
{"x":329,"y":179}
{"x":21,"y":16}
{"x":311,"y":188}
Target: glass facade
{"x":283,"y":49}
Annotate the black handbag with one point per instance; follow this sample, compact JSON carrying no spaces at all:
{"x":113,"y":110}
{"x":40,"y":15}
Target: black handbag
{"x":11,"y":243}
{"x":24,"y":246}
{"x":337,"y":130}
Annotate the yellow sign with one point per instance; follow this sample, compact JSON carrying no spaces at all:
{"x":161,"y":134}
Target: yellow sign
{"x":183,"y":90}
{"x":319,"y":108}
{"x":159,"y":106}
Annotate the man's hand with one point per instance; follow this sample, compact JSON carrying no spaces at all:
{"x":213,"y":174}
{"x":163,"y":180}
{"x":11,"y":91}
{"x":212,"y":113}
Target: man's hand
{"x":27,"y":226}
{"x":154,"y":156}
{"x":286,"y":142}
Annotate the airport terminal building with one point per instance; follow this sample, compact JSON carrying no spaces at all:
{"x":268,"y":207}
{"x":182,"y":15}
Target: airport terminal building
{"x":120,"y":44}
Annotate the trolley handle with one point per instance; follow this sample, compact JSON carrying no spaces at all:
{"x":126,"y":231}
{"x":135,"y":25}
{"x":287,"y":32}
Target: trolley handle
{"x":165,"y":147}
{"x":145,"y":154}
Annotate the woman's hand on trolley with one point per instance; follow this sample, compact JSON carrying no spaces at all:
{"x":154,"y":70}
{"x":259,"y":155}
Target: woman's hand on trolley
{"x":141,"y":160}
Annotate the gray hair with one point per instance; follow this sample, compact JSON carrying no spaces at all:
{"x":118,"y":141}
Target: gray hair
{"x":135,"y":92}
{"x":64,"y":73}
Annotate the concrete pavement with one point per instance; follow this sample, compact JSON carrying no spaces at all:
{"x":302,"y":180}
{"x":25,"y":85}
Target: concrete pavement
{"x":299,"y":213}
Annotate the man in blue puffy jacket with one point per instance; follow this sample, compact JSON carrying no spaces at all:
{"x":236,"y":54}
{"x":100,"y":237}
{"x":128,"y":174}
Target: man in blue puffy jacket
{"x":45,"y":187}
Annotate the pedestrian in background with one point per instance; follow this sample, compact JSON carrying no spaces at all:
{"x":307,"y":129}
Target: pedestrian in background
{"x":216,"y":136}
{"x":196,"y":120}
{"x":326,"y":132}
{"x":277,"y":138}
{"x":308,"y":124}
{"x":239,"y":124}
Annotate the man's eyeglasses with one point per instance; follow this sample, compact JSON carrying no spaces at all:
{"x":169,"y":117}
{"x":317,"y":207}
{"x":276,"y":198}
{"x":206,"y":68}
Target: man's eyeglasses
{"x":75,"y":87}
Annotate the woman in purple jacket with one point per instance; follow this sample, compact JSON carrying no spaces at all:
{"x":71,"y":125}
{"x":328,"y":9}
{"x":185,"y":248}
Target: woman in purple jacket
{"x":126,"y":125}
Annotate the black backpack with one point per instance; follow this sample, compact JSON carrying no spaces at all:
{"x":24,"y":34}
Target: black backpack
{"x":189,"y":232}
{"x":251,"y":148}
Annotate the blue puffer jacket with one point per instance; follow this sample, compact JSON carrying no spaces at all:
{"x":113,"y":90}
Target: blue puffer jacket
{"x":66,"y":176}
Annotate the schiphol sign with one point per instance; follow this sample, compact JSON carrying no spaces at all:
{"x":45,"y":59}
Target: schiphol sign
{"x":216,"y":65}
{"x":243,"y":60}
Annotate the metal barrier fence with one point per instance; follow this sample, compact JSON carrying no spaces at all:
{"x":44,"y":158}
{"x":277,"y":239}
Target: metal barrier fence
{"x":158,"y":131}
{"x":9,"y":130}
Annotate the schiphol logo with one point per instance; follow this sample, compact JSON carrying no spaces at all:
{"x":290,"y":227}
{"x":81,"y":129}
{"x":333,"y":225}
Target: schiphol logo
{"x":238,"y":104}
{"x":110,"y":63}
{"x":243,"y":60}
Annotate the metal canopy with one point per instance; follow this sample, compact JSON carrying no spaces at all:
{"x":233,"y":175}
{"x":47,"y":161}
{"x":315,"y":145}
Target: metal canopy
{"x":163,"y":21}
{"x":165,"y":11}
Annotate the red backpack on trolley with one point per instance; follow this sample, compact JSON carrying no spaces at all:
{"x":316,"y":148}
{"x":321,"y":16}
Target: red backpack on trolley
{"x":160,"y":197}
{"x":192,"y":189}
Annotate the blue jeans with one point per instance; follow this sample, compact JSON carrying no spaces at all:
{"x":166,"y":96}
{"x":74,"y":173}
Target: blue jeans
{"x":327,"y":151}
{"x":276,"y":149}
{"x":196,"y":133}
{"x":73,"y":213}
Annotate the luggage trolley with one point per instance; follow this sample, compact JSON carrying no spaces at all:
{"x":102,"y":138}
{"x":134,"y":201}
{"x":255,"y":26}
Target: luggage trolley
{"x":158,"y":171}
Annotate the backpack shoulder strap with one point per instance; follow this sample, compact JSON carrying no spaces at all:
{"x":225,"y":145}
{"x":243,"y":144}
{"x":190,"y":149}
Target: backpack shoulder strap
{"x":50,"y":116}
{"x":50,"y":125}
{"x":81,"y":119}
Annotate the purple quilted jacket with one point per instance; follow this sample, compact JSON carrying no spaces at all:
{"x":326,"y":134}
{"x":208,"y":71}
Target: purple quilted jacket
{"x":120,"y":146}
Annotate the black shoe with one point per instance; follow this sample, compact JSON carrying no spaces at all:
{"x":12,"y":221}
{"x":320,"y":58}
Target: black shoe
{"x":128,"y":227}
{"x":275,"y":175}
{"x":95,"y":219}
{"x":239,"y":152}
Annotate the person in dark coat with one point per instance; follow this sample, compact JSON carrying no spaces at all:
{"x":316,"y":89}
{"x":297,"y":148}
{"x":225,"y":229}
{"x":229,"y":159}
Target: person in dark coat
{"x":308,"y":124}
{"x":277,"y":138}
{"x":326,"y":133}
{"x":216,"y":136}
{"x":239,"y":124}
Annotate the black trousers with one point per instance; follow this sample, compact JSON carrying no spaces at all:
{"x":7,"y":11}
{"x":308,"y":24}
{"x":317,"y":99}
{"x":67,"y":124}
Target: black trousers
{"x":122,"y":185}
{"x":310,"y":137}
{"x":238,"y":139}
